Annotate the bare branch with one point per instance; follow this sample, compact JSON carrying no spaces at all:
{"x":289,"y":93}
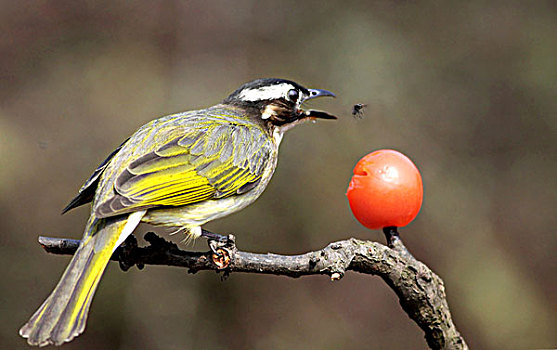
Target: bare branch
{"x":421,"y":292}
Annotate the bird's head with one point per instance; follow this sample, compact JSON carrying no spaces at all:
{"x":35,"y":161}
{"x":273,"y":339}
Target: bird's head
{"x":278,"y":101}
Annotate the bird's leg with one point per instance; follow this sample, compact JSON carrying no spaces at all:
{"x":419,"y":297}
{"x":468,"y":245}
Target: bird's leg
{"x":215,"y":236}
{"x":221,"y":246}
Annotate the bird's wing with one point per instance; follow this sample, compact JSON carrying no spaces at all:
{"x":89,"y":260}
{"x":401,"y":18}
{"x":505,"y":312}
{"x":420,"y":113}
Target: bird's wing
{"x":87,"y":191}
{"x":214,"y":160}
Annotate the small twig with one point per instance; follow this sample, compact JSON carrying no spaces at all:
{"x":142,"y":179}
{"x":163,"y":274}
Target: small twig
{"x":394,"y":241}
{"x":421,"y":292}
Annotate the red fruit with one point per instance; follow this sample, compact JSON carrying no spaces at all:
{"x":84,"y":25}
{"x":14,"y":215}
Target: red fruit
{"x":386,"y":190}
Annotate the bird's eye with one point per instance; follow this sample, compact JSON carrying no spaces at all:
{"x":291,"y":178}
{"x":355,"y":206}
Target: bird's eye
{"x":293,"y":95}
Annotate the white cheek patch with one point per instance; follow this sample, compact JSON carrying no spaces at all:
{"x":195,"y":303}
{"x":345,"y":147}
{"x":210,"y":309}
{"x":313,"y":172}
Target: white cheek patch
{"x":266,"y":92}
{"x":268,"y":112}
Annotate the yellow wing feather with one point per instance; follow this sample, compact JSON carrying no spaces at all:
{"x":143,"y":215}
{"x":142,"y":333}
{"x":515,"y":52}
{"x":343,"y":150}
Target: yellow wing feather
{"x":214,"y":161}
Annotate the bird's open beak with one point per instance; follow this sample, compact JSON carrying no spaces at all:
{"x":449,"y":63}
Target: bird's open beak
{"x":313,"y":93}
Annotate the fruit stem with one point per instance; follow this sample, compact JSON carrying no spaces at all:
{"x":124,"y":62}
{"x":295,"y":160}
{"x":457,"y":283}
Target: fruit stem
{"x":391,"y":234}
{"x":393,"y":240}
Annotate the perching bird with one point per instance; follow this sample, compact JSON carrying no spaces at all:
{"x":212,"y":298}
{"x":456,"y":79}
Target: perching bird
{"x":182,"y":170}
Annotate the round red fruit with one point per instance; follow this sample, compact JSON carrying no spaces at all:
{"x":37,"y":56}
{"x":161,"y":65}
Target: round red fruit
{"x":385,"y":190}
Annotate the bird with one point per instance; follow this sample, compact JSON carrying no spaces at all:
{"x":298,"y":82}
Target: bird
{"x":181,"y":170}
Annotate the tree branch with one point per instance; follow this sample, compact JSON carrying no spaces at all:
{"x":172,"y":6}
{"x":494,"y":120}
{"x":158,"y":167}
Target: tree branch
{"x":421,"y":292}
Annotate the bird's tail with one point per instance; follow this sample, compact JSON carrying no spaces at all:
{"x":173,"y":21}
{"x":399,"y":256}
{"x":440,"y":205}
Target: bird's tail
{"x":63,"y":315}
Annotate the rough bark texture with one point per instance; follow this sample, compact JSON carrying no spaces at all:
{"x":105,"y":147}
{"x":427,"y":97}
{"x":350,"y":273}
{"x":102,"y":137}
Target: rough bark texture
{"x":421,"y":292}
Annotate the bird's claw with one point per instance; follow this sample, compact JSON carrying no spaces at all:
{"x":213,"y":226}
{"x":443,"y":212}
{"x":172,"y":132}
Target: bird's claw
{"x":126,"y":254}
{"x":221,"y":246}
{"x":221,"y":258}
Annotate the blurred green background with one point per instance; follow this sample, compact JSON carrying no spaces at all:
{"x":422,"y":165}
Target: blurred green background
{"x":467,"y":89}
